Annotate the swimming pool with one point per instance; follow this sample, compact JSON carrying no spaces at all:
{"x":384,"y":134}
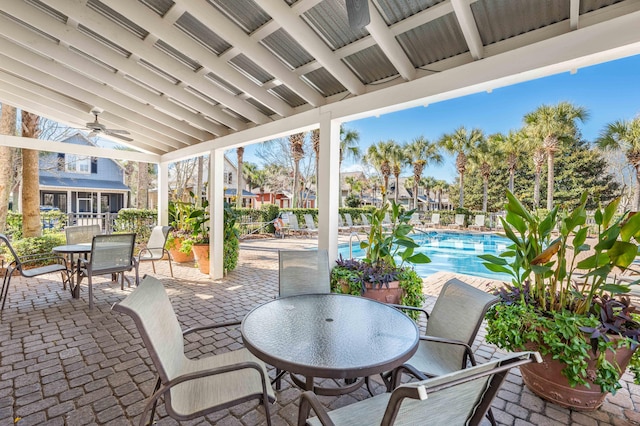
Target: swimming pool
{"x":451,"y":252}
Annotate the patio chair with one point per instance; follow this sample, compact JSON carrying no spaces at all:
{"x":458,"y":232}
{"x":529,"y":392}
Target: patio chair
{"x":365,"y":222}
{"x":311,"y":226}
{"x":458,"y":221}
{"x":451,"y":329}
{"x":42,"y":264}
{"x":110,"y":254}
{"x":415,"y":220}
{"x":349,"y":220}
{"x":462,"y":397}
{"x":341,"y":226}
{"x":191,"y":387}
{"x":294,"y":227}
{"x":478,"y":222}
{"x":435,"y":221}
{"x":155,"y":247}
{"x":79,"y":234}
{"x":302,"y":272}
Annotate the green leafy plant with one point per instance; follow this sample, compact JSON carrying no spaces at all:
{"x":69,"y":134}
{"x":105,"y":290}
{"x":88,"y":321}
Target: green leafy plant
{"x":385,"y":242}
{"x":563,"y":296}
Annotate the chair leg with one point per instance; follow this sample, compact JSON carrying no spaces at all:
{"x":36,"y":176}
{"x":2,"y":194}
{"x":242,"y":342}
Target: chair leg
{"x":170,"y":267}
{"x":153,"y":409}
{"x":490,"y":417}
{"x":90,"y":292}
{"x":153,"y":265}
{"x":4,"y":293}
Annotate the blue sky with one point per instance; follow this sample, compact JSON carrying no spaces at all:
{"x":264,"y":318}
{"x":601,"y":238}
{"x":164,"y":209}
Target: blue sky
{"x":609,"y":91}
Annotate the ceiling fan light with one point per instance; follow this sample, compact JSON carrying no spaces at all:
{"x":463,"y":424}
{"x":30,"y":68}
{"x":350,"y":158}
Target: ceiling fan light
{"x":358,"y":13}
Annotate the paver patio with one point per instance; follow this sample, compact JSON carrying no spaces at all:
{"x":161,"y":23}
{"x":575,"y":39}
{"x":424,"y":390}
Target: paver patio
{"x":62,"y":364}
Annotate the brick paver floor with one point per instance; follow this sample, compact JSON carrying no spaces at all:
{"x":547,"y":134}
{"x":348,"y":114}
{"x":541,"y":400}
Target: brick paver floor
{"x":62,"y":364}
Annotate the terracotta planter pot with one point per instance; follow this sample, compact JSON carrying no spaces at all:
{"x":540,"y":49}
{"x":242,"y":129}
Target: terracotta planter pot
{"x":546,"y":381}
{"x":201,"y":253}
{"x":384,"y":294}
{"x":177,"y":255}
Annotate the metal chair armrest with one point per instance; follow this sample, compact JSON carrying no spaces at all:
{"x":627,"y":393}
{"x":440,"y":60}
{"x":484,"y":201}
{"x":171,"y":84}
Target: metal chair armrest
{"x":204,"y":373}
{"x":309,"y":401}
{"x":467,"y":348}
{"x":210,"y":326}
{"x":26,"y":260}
{"x":409,"y":308}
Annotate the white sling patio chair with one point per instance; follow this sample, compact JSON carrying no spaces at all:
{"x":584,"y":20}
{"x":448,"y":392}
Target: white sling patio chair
{"x":155,"y":248}
{"x":452,"y":327}
{"x":349,"y":220}
{"x":191,"y":387}
{"x":43,"y":264}
{"x":294,"y":227}
{"x":110,"y":255}
{"x":302,"y":272}
{"x":435,"y":221}
{"x":462,"y":397}
{"x":311,"y":226}
{"x":458,"y":221}
{"x":79,"y":234}
{"x":478,"y":222}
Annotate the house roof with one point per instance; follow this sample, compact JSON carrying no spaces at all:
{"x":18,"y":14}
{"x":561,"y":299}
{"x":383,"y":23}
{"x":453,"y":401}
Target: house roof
{"x":231,"y":192}
{"x":89,"y":184}
{"x":175,"y":73}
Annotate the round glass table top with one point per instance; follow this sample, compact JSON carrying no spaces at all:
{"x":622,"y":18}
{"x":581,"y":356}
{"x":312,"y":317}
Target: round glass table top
{"x":330,"y":335}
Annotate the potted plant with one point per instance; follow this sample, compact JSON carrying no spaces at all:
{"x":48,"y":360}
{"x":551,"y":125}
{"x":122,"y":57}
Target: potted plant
{"x":179,"y":220}
{"x":199,"y":240}
{"x":378,"y":275}
{"x":563,"y":300}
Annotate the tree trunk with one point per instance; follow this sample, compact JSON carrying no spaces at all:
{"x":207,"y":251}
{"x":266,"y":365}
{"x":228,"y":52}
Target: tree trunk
{"x":550,"y":179}
{"x":512,"y":174}
{"x":536,"y":190}
{"x":239,"y":186}
{"x":636,"y":197}
{"x":31,"y":226}
{"x":397,"y":191}
{"x":143,"y":185}
{"x":7,"y":127}
{"x":461,"y":205}
{"x":415,"y":194}
{"x":485,"y":195}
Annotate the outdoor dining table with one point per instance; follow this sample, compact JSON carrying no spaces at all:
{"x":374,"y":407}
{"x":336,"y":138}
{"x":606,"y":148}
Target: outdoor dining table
{"x":329,"y":336}
{"x":70,"y":250}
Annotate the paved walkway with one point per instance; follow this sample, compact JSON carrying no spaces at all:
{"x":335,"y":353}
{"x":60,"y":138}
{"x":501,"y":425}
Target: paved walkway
{"x":62,"y":364}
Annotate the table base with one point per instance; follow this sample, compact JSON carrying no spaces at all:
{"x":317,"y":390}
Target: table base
{"x":307,"y":384}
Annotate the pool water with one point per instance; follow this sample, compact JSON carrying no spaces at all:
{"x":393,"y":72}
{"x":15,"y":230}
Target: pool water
{"x":451,"y":252}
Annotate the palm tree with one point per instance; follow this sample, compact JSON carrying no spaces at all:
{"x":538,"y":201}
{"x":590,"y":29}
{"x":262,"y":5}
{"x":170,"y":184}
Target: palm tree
{"x":511,"y":147}
{"x":349,"y":148}
{"x":249,"y":171}
{"x":259,"y":178}
{"x":552,"y":124}
{"x":428,"y":183}
{"x":397,"y":161}
{"x":7,"y":127}
{"x":461,"y":142}
{"x":31,"y":226}
{"x":296,"y":142}
{"x":625,"y":135}
{"x":534,"y":146}
{"x":486,"y":154}
{"x":379,"y":156}
{"x":439,"y":187}
{"x":143,"y":185}
{"x":240,"y":173}
{"x":315,"y":142}
{"x":419,"y":153}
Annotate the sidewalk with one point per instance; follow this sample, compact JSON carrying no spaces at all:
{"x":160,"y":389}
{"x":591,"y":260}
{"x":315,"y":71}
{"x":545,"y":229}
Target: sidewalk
{"x":61,"y":364}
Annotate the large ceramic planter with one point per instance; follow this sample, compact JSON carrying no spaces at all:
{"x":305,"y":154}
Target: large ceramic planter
{"x":546,"y":381}
{"x":392,"y":294}
{"x":177,"y":255}
{"x":201,"y":253}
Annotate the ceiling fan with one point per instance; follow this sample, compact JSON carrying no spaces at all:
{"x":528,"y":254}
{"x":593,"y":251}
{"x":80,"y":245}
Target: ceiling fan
{"x":358,"y":13}
{"x":98,"y":128}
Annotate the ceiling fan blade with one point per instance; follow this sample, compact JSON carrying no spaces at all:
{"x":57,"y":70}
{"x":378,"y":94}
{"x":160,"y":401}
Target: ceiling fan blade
{"x":92,"y":134}
{"x":115,"y":135}
{"x":358,"y":13}
{"x":122,"y":132}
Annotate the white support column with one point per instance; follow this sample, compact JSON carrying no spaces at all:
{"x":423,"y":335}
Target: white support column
{"x":99,"y":201}
{"x":329,"y":185}
{"x":163,"y":193}
{"x":216,"y":209}
{"x":69,"y":201}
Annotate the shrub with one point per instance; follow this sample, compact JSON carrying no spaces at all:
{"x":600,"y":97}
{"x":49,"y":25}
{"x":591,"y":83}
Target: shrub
{"x":34,"y":245}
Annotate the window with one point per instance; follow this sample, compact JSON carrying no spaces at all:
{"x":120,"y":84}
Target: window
{"x":78,"y":163}
{"x":229,"y":179}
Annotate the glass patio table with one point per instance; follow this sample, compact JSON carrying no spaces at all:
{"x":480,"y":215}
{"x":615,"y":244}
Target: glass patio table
{"x":70,"y":250}
{"x":330,"y":336}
